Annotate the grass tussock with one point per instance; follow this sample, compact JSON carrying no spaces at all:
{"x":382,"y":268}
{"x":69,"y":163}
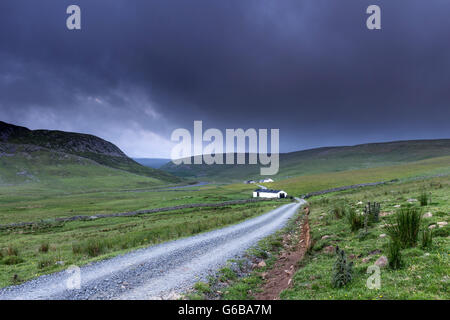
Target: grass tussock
{"x":427,"y":239}
{"x":45,"y":262}
{"x":92,"y":247}
{"x":12,"y":251}
{"x":394,"y":255}
{"x":423,"y":198}
{"x":44,"y":247}
{"x":338,"y":210}
{"x":406,"y":228}
{"x":355,"y":220}
{"x":12,"y":260}
{"x":10,"y":256}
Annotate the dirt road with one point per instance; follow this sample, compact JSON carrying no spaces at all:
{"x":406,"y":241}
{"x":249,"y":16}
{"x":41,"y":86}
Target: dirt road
{"x":159,"y":271}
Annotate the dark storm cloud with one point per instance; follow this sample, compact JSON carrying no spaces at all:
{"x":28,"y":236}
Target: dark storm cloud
{"x":310,"y":68}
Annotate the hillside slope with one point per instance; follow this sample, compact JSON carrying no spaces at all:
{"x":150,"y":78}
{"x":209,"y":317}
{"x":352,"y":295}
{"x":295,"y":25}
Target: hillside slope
{"x":81,"y":145}
{"x":35,"y":171}
{"x":322,"y":160}
{"x":152,"y":162}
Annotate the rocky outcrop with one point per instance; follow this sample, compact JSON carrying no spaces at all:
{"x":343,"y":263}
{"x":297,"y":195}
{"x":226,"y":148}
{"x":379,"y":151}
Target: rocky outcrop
{"x":68,"y":142}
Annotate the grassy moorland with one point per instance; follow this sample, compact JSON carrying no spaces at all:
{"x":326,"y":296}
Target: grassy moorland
{"x":309,"y":183}
{"x":424,"y":270}
{"x":325,"y":160}
{"x":419,"y":271}
{"x":37,"y":184}
{"x":22,"y":149}
{"x":41,"y":182}
{"x":32,"y":203}
{"x":26,"y":253}
{"x":24,"y":168}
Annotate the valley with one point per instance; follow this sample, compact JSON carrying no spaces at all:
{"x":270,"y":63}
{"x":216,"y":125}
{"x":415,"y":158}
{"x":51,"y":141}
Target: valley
{"x":417,"y":271}
{"x":47,"y":179}
{"x":320,"y":161}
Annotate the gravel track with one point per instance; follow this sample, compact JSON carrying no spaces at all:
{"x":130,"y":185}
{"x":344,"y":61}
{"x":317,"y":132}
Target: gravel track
{"x":159,"y":271}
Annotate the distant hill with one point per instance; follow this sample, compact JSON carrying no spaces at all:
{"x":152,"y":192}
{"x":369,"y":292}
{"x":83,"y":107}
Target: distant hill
{"x":155,"y":163}
{"x":322,"y":160}
{"x":86,"y":146}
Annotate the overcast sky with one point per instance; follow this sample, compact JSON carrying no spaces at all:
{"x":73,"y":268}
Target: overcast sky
{"x":140,"y":69}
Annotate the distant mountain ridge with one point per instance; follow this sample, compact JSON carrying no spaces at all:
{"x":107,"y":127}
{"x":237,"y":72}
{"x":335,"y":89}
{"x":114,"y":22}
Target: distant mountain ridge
{"x":320,"y":160}
{"x":152,"y":162}
{"x":84,"y":145}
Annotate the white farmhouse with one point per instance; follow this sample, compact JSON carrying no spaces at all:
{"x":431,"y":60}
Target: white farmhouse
{"x":269,"y":193}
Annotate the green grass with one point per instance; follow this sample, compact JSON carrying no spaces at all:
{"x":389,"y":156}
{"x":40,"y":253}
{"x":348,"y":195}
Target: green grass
{"x":423,"y":198}
{"x":60,"y":185}
{"x":267,"y":249}
{"x":354,"y":219}
{"x":423,"y":273}
{"x":80,"y":242}
{"x":405,"y":229}
{"x":394,"y":255}
{"x":202,"y":287}
{"x":30,"y":144}
{"x":129,"y":165}
{"x":322,"y":160}
{"x":426,"y":239}
{"x":315,"y":182}
{"x":41,"y":185}
{"x":36,"y":202}
{"x":226,"y":274}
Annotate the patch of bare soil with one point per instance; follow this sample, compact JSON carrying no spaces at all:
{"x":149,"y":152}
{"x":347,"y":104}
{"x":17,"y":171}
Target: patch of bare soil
{"x":295,"y":246}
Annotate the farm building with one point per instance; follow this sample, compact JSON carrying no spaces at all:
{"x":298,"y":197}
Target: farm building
{"x":269,"y":193}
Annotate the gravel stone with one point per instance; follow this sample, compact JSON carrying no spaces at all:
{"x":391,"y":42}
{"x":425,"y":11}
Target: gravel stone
{"x":161,"y":271}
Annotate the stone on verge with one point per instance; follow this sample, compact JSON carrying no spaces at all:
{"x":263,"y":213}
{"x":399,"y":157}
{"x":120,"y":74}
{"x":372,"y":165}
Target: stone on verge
{"x":381,"y":261}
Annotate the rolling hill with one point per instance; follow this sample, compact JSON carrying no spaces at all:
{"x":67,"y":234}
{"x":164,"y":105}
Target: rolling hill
{"x":51,"y":153}
{"x":152,"y":162}
{"x":322,"y":160}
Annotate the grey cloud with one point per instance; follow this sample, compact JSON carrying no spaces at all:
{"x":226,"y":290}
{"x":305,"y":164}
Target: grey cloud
{"x":308,"y":67}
